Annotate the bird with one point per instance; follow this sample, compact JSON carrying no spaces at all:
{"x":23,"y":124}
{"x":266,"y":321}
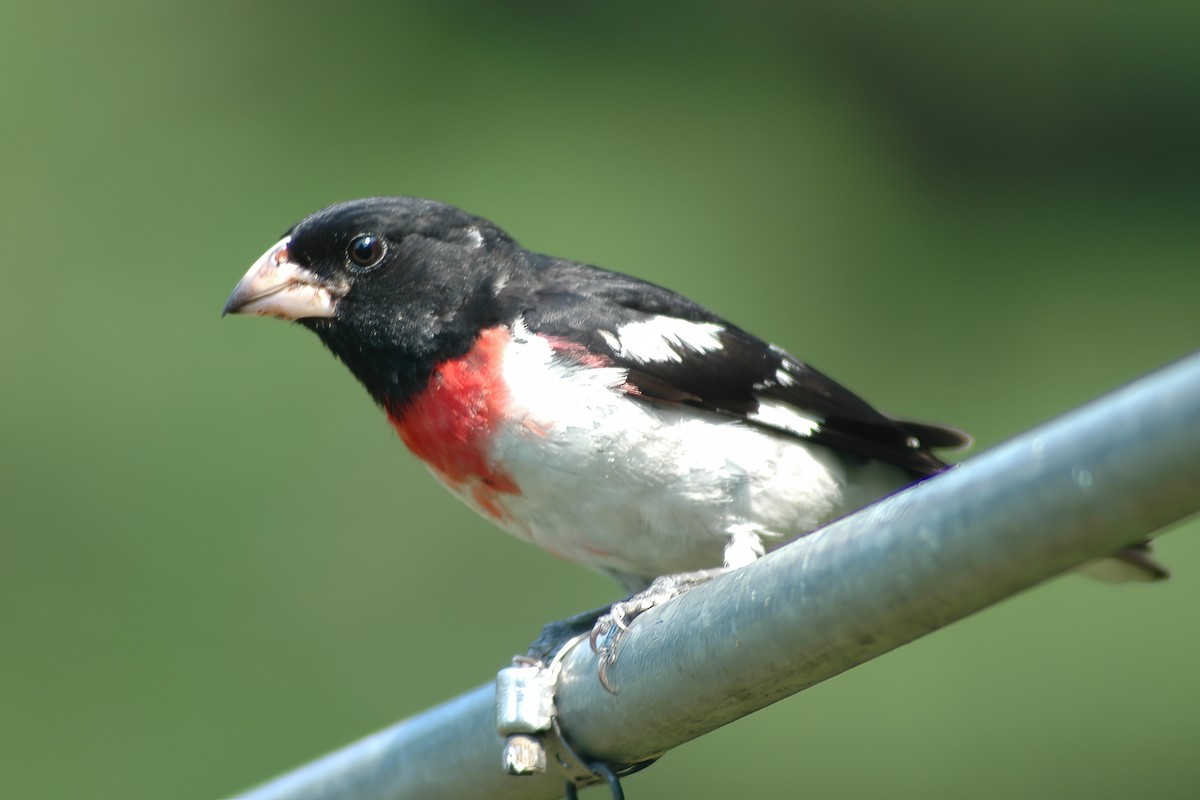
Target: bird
{"x":608,"y":420}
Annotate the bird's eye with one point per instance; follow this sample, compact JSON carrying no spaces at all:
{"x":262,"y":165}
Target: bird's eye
{"x":366,"y":250}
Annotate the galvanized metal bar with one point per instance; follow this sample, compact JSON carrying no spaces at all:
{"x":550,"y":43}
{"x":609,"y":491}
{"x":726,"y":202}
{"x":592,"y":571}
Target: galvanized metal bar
{"x":449,"y":751}
{"x":1077,"y":488}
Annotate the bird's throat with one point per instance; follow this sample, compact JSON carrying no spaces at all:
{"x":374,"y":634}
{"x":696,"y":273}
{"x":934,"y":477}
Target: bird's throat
{"x":451,"y":422}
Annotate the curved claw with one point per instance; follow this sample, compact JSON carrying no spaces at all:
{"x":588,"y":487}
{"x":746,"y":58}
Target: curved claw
{"x":605,"y":635}
{"x":603,"y":664}
{"x":599,"y":630}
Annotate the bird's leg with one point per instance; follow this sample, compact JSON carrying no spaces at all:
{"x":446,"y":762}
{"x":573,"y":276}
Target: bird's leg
{"x":610,"y":627}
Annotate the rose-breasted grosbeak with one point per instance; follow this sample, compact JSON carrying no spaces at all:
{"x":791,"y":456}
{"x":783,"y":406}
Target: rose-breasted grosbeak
{"x":610,"y":421}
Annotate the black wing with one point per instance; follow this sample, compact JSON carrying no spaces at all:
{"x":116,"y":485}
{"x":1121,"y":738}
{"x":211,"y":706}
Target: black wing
{"x":703,"y":361}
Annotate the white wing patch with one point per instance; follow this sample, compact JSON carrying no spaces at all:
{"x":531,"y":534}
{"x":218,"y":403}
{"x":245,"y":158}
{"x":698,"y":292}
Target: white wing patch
{"x":664,"y":339}
{"x":785,"y":418}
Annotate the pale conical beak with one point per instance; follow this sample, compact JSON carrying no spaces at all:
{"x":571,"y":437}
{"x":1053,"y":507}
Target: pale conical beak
{"x":276,"y":287}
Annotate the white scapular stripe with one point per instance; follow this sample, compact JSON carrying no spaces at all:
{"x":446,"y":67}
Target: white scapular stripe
{"x":664,"y":339}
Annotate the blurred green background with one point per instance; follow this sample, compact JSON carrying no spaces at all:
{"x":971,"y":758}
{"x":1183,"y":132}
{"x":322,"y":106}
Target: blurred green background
{"x":218,"y":562}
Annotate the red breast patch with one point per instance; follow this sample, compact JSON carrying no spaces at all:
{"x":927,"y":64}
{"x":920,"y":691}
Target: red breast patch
{"x":450,"y":424}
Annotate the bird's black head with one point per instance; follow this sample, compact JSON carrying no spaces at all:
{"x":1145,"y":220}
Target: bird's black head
{"x":392,"y":285}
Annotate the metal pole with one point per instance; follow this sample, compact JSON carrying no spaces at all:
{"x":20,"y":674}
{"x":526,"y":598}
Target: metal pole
{"x":1077,"y":488}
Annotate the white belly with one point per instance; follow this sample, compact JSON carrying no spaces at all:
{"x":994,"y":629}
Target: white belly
{"x":642,"y":489}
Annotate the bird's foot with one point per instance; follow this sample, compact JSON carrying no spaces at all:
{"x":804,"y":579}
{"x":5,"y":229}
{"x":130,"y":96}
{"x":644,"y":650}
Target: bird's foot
{"x":555,"y":635}
{"x":609,"y":628}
